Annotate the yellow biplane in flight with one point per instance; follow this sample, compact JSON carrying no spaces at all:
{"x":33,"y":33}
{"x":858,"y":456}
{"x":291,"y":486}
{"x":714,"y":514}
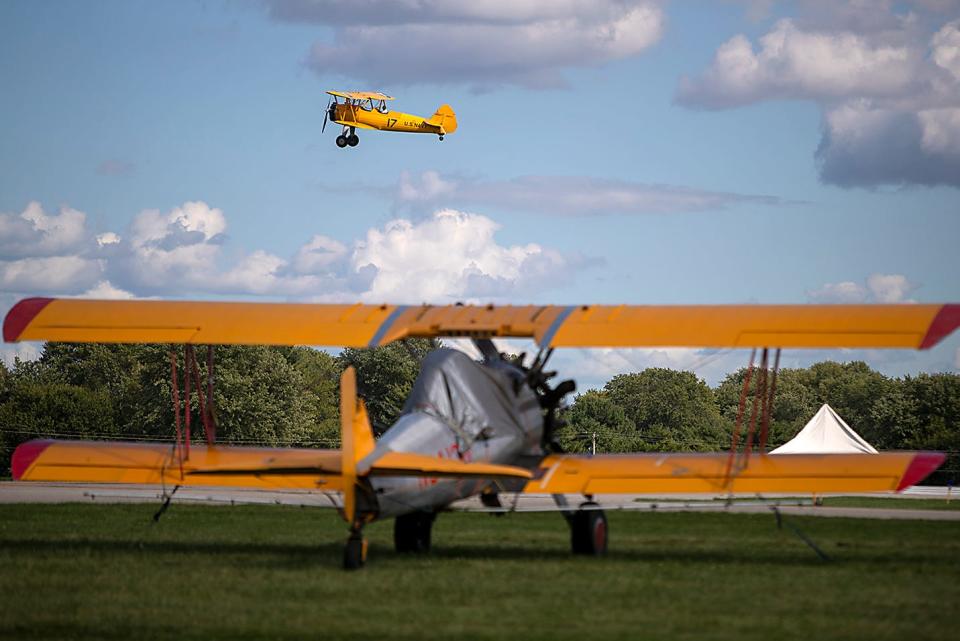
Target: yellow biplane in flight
{"x":368,"y":110}
{"x":473,"y":427}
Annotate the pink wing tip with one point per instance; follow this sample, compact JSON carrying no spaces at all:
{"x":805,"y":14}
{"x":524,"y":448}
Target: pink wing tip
{"x":922,"y":465}
{"x":25,"y":455}
{"x":20,"y":316}
{"x":946,"y":320}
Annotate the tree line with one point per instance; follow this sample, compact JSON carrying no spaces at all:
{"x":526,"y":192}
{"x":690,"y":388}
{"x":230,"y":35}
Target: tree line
{"x":290,"y":396}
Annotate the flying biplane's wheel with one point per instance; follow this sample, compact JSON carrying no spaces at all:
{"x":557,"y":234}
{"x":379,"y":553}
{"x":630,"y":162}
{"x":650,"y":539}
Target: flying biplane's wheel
{"x":353,"y":140}
{"x":411,"y":532}
{"x":441,"y":137}
{"x":588,"y":530}
{"x":355,"y":552}
{"x":341,"y":141}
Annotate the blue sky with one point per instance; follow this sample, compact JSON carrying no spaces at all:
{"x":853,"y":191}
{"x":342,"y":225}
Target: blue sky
{"x":634,"y":151}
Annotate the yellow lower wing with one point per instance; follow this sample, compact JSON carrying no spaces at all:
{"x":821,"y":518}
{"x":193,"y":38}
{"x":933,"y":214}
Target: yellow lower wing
{"x":354,"y":123}
{"x":156,"y":463}
{"x":707,"y":473}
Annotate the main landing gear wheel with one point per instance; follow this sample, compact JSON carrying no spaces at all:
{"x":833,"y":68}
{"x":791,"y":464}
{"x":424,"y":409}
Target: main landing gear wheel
{"x":411,"y":532}
{"x":355,"y":552}
{"x":341,"y":141}
{"x":441,"y":137}
{"x":588,"y":530}
{"x":353,"y":140}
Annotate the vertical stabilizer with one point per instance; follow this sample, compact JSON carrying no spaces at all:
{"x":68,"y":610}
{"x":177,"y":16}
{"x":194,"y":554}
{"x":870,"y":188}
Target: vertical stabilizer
{"x":445,"y":119}
{"x":356,"y":437}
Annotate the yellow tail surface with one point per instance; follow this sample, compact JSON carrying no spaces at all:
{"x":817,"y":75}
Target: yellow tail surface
{"x":356,"y":438}
{"x":444,"y":118}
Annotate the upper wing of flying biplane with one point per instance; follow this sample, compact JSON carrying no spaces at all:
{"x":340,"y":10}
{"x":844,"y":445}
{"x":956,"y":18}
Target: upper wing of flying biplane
{"x":361,"y":95}
{"x":798,"y":326}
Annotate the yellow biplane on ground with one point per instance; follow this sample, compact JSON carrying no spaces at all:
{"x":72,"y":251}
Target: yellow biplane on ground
{"x":469,"y":427}
{"x":368,"y":110}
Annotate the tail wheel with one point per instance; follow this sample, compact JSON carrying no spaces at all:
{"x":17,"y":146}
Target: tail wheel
{"x":411,"y":532}
{"x":588,"y":530}
{"x":353,"y":140}
{"x":341,"y":141}
{"x":355,"y":552}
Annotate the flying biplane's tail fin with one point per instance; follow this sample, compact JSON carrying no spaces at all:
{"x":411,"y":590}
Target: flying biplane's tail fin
{"x":445,"y":119}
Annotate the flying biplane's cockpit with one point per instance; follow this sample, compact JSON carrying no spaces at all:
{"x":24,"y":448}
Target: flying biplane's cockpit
{"x":368,"y":104}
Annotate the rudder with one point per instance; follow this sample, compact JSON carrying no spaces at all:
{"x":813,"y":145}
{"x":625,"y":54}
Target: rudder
{"x":445,"y":118}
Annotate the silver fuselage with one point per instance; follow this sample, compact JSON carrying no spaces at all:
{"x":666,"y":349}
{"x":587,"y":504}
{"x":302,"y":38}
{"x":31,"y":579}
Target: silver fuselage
{"x":462,"y":409}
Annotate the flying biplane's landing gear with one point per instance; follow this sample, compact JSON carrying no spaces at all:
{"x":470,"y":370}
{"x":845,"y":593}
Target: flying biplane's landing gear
{"x":355,"y":552}
{"x":411,"y":532}
{"x":588,"y":530}
{"x":441,"y":137}
{"x":353,"y":140}
{"x":341,"y":141}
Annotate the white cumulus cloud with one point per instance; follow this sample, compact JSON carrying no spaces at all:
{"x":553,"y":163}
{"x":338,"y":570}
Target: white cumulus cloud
{"x":483,"y":44}
{"x":564,"y":195}
{"x":34,"y":232}
{"x":877,"y":288}
{"x":451,"y":256}
{"x":887,"y":83}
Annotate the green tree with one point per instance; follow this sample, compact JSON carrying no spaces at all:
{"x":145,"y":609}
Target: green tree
{"x":670,"y":410}
{"x":593,"y":413}
{"x":385,"y":375}
{"x":51,"y":410}
{"x":794,"y":404}
{"x":935,"y":404}
{"x":320,"y":373}
{"x":852,"y":389}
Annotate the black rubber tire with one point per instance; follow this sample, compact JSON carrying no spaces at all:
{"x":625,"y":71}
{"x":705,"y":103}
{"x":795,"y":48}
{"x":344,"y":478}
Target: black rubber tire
{"x":441,"y":137}
{"x":588,"y":531}
{"x":341,"y":141}
{"x":411,"y":532}
{"x":354,"y":552}
{"x":353,"y":140}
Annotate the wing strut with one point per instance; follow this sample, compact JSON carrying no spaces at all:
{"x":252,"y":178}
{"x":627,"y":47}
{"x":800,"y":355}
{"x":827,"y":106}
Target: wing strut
{"x":183,"y":411}
{"x":761,"y":406}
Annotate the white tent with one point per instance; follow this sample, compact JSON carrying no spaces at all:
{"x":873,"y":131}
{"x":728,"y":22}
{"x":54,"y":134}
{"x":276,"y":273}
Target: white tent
{"x":825,"y":433}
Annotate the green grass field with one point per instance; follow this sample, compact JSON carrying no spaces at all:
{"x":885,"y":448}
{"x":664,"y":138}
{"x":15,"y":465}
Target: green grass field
{"x":884,"y":502}
{"x":105,"y":572}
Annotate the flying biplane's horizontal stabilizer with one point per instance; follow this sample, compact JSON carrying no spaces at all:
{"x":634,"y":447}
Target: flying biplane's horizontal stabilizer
{"x":801,"y":326}
{"x":711,"y":473}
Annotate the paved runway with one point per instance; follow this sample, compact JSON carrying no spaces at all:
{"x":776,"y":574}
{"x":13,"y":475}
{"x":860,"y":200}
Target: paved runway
{"x":12,"y":492}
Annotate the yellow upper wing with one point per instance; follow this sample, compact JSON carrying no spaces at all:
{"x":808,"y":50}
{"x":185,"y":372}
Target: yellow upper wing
{"x":361,"y":95}
{"x":708,"y":473}
{"x":144,"y":321}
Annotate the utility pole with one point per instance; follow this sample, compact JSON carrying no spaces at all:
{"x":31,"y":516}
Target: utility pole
{"x":593,"y":444}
